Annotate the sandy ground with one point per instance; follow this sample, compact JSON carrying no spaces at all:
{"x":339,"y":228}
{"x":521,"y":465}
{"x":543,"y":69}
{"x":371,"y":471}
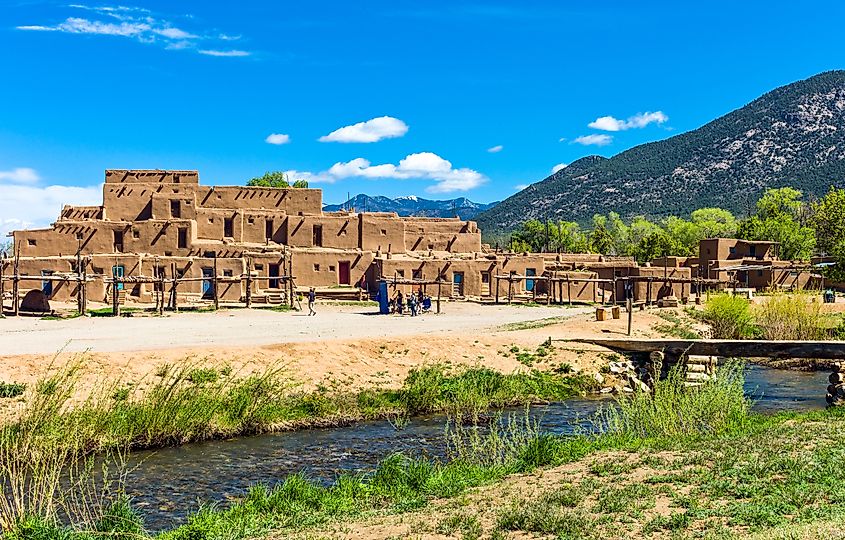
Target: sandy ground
{"x":342,"y":345}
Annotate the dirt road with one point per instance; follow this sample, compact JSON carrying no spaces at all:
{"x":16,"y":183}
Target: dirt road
{"x":231,"y":328}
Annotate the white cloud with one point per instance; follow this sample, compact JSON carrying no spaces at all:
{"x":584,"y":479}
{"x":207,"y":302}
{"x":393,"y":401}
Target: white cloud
{"x":595,"y":140}
{"x":277,"y":138}
{"x":384,"y":127}
{"x":558,"y":167}
{"x":232,"y":53}
{"x":21,"y":175}
{"x":562,"y":139}
{"x":140,"y":25}
{"x":425,"y":165}
{"x":26,"y":207}
{"x":520,"y":187}
{"x":639,"y":120}
{"x":496,"y":149}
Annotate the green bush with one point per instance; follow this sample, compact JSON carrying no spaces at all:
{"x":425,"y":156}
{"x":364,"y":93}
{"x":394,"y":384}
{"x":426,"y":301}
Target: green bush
{"x":10,"y":390}
{"x":790,"y":316}
{"x":729,"y":317}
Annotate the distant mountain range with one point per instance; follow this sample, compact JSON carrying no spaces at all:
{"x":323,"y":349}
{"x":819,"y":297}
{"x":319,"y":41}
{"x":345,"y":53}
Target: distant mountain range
{"x":412,"y":206}
{"x":791,"y":136}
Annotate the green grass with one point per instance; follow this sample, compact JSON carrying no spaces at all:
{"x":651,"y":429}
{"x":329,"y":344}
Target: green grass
{"x":677,"y":327}
{"x":729,"y":317}
{"x":530,"y":325}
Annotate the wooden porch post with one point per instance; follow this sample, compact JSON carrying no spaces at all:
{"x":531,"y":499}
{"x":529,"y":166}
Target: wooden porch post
{"x":439,"y":284}
{"x":214,"y":284}
{"x":568,"y":291}
{"x":248,"y":282}
{"x":115,"y":294}
{"x":497,"y":289}
{"x":16,"y":281}
{"x":2,"y":286}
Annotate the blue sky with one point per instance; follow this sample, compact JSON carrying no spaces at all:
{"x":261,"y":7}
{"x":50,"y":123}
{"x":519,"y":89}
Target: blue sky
{"x":454,"y":98}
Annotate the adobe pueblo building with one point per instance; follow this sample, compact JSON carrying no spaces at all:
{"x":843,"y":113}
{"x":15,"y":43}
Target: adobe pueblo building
{"x":231,"y":243}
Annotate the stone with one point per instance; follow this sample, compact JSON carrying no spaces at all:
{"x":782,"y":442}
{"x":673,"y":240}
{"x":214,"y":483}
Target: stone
{"x":35,"y":301}
{"x":599,"y":378}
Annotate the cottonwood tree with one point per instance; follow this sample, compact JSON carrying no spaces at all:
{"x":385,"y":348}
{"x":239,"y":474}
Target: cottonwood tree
{"x":780,"y":216}
{"x":828,"y":220}
{"x":276,"y":179}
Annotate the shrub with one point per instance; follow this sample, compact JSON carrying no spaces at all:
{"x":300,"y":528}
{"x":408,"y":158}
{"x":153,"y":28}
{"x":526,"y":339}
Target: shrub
{"x":729,"y":317}
{"x":790,"y":316}
{"x":10,"y":390}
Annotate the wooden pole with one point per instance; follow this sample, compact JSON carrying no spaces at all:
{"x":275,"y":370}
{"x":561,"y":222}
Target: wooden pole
{"x":291,"y":286}
{"x":161,"y":291}
{"x":214,"y":284}
{"x":248,"y":282}
{"x":510,"y":288}
{"x":568,"y":291}
{"x":173,"y":286}
{"x":534,"y":291}
{"x":2,"y":286}
{"x":439,"y":284}
{"x":629,"y":306}
{"x":115,"y":294}
{"x":85,"y":285}
{"x":16,"y":281}
{"x":497,"y":289}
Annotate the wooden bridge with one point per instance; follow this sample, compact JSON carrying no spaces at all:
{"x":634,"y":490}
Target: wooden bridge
{"x":698,"y":356}
{"x":736,"y":348}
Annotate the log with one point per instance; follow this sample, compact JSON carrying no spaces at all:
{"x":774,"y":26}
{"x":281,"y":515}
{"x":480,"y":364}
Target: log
{"x":836,"y":378}
{"x":730,"y":348}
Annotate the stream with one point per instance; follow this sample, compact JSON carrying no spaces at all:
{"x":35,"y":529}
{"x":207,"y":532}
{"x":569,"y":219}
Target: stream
{"x":167,"y":485}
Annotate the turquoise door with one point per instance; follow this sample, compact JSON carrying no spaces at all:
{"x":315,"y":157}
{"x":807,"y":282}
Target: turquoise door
{"x":117,"y":271}
{"x":529,"y":283}
{"x":47,"y":285}
{"x":208,"y":283}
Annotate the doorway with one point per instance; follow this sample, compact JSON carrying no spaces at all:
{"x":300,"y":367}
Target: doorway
{"x":457,"y":284}
{"x":485,"y":283}
{"x":47,"y":285}
{"x":529,"y":283}
{"x":273,"y":270}
{"x":343,"y":273}
{"x":117,"y":272}
{"x":318,"y":236}
{"x":207,"y":283}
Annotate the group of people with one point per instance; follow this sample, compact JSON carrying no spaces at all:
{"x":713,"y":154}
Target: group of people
{"x":417,"y":303}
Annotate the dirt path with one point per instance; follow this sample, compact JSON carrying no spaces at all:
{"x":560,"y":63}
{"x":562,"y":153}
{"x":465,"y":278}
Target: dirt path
{"x":228,"y":328}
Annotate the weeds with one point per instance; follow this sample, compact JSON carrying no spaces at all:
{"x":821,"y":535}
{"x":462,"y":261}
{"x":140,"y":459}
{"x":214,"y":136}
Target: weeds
{"x":10,"y":390}
{"x":729,"y":317}
{"x":790,"y":317}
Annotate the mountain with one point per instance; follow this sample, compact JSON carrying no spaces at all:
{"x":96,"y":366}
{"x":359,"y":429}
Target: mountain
{"x":791,"y":136}
{"x":413,"y":206}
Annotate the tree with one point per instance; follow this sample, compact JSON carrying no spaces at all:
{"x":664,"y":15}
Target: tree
{"x":714,"y":223}
{"x":779,"y":217}
{"x":828,"y":220}
{"x":276,"y":179}
{"x":536,"y":236}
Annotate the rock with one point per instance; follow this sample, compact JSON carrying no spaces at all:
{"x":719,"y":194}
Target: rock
{"x":836,"y":378}
{"x":599,"y":378}
{"x":606,"y":390}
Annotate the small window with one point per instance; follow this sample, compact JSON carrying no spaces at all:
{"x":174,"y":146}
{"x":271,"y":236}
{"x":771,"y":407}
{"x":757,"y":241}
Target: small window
{"x":30,"y":241}
{"x":331,"y":268}
{"x":733,"y":251}
{"x":182,"y":239}
{"x":400,"y":273}
{"x":211,"y":220}
{"x":228,"y":228}
{"x":168,"y":253}
{"x":251,"y":221}
{"x":752,"y":250}
{"x":136,"y":234}
{"x":227,"y":273}
{"x":417,"y":274}
{"x":80,"y":236}
{"x":208,"y":254}
{"x":118,"y":241}
{"x":384,"y":232}
{"x":317,"y":234}
{"x":759,"y":273}
{"x":431,"y":246}
{"x":259,"y":267}
{"x":175,"y":209}
{"x":316,"y":267}
{"x":268,"y":229}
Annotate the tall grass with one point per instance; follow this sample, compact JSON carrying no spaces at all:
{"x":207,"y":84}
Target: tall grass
{"x":673,"y":410}
{"x":729,"y":317}
{"x":790,"y":316}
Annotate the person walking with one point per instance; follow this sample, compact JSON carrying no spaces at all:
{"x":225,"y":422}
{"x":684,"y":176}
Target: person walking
{"x":312,"y":297}
{"x":412,"y":304}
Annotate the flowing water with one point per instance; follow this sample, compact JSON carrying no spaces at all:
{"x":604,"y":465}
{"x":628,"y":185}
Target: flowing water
{"x":166,"y":485}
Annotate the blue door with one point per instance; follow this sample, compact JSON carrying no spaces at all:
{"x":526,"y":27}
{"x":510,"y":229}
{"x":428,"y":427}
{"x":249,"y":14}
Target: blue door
{"x":529,"y":283}
{"x":208,"y":283}
{"x":47,"y":285}
{"x":117,"y":271}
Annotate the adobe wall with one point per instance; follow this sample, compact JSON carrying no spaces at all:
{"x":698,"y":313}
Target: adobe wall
{"x":341,"y":232}
{"x":295,"y":201}
{"x":386,"y":234}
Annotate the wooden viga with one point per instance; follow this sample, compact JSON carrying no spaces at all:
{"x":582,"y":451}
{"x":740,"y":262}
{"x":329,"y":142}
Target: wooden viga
{"x":836,"y":389}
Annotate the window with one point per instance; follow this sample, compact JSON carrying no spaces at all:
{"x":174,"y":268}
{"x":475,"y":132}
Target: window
{"x":175,"y":209}
{"x":759,"y":273}
{"x":317,"y":233}
{"x":331,"y":268}
{"x":752,"y":250}
{"x":268,"y":229}
{"x":400,"y":273}
{"x":417,"y":274}
{"x":136,"y":234}
{"x":208,"y":254}
{"x":251,"y":221}
{"x":227,"y":273}
{"x":384,"y":232}
{"x":30,"y":241}
{"x":182,"y":238}
{"x":733,"y":250}
{"x":211,"y":220}
{"x":316,"y":267}
{"x":80,"y":236}
{"x":168,"y":253}
{"x":228,"y":228}
{"x":118,"y":241}
{"x":259,"y":267}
